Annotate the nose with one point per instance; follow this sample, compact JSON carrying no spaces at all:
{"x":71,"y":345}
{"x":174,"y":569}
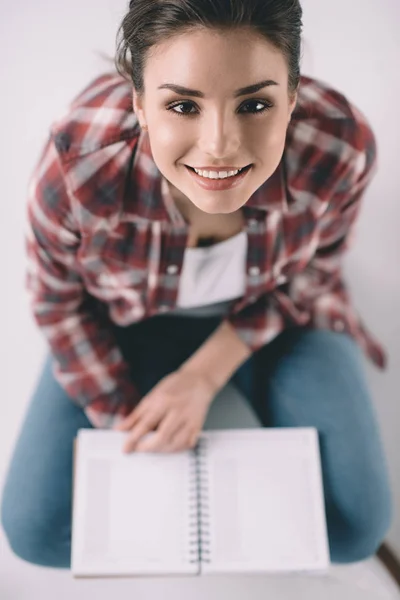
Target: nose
{"x":220,"y":137}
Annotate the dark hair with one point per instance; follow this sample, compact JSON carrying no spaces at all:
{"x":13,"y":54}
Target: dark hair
{"x":150,"y":22}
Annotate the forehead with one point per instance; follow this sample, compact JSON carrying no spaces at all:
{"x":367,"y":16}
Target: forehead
{"x":214,"y":56}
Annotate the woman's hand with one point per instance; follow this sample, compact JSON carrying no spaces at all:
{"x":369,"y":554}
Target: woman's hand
{"x":176,"y":407}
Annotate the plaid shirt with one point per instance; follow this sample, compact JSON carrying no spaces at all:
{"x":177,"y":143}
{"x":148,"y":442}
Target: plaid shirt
{"x":102,"y":224}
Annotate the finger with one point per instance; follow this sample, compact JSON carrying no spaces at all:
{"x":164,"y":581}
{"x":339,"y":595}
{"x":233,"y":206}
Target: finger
{"x":141,"y":429}
{"x":193,"y":439}
{"x":130,"y":420}
{"x":163,"y":435}
{"x":147,"y":403}
{"x":182,"y":440}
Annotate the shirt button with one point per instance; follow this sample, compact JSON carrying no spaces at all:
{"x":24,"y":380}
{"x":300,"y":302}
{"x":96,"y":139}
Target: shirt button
{"x":339,"y":326}
{"x":281,"y":279}
{"x":163,"y":308}
{"x":103,"y":279}
{"x":252,"y":222}
{"x":254,"y":271}
{"x":172,"y":269}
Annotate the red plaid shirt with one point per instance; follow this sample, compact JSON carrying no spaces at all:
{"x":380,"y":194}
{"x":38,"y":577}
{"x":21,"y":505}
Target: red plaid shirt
{"x":102,"y":224}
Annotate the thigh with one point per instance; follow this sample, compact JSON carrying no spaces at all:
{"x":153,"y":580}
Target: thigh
{"x":315,"y":378}
{"x":36,"y":498}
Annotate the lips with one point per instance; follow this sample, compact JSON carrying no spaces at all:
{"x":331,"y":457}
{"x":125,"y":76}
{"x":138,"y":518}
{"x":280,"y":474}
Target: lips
{"x":219,"y":184}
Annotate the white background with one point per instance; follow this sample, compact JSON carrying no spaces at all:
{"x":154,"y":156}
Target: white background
{"x":48,"y":53}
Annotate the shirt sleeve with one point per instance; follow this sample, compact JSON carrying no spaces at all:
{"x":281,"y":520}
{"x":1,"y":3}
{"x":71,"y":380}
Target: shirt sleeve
{"x":87,"y":361}
{"x":318,"y":297}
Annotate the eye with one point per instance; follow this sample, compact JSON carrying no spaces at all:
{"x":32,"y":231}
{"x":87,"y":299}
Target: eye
{"x":265,"y":106}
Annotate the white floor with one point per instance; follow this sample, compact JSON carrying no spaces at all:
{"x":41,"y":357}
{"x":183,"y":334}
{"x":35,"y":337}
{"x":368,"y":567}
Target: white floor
{"x":361,"y":581}
{"x":366,"y":580}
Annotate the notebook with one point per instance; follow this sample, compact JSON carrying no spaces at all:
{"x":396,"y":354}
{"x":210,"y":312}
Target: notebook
{"x":241,"y":501}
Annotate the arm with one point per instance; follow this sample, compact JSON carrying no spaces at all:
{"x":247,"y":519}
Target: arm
{"x":320,"y":291}
{"x":88,"y":363}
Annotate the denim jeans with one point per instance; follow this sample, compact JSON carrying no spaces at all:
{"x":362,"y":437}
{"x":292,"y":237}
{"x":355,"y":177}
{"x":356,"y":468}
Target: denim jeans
{"x":302,"y":378}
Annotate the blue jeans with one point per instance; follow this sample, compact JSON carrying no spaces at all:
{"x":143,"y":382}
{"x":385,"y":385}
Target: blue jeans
{"x":303,"y":378}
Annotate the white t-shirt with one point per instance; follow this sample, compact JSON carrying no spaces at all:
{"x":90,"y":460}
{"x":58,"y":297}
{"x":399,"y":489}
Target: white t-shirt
{"x":212,"y":277}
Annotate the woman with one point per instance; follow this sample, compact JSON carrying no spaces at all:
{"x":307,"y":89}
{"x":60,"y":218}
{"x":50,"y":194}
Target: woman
{"x":187,"y":221}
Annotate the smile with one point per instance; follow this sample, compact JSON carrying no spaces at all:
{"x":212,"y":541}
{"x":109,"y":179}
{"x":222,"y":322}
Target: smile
{"x":219,"y":183}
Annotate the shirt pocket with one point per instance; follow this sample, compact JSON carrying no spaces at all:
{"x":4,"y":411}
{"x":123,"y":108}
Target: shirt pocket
{"x":115,"y":264}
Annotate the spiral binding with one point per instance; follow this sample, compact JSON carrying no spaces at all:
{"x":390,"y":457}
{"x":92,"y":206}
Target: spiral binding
{"x":199,"y":532}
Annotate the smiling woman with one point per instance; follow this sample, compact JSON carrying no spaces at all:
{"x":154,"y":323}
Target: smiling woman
{"x":206,"y":132}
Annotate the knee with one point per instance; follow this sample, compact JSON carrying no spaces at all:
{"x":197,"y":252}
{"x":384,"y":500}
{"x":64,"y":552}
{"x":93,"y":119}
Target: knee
{"x":321,"y":359}
{"x":361,"y":539}
{"x":31,"y":538}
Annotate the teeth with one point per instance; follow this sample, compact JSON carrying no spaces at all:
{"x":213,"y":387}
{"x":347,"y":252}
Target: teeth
{"x":217,"y":174}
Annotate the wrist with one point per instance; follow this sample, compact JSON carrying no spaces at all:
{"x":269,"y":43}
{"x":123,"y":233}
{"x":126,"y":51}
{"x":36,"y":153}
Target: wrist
{"x":198,"y":373}
{"x":219,"y":357}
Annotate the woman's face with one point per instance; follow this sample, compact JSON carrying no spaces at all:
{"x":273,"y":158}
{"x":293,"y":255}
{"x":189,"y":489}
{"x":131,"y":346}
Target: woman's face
{"x":219,"y":128}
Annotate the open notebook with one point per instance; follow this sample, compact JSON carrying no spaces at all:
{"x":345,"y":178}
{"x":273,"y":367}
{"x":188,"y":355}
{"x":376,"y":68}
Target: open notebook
{"x":242,"y":501}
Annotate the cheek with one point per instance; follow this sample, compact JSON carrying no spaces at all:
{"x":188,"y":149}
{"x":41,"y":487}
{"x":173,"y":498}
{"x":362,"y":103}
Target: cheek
{"x":164,"y":133}
{"x":271,"y":142}
{"x":169,"y":145}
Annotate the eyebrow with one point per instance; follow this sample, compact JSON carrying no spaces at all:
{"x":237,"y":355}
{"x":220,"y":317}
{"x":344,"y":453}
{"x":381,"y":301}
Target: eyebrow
{"x":251,"y":89}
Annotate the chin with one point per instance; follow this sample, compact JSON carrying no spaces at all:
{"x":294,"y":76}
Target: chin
{"x":217,"y":208}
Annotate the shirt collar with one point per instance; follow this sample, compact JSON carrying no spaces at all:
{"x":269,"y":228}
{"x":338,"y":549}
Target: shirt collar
{"x":152,"y":198}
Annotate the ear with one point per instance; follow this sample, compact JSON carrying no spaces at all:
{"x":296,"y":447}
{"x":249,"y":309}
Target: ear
{"x":138,"y":108}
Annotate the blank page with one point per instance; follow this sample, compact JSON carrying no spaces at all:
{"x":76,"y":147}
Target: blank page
{"x":130,"y":511}
{"x":265,"y":501}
